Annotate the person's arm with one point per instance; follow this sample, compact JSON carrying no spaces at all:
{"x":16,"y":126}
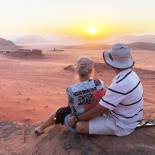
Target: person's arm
{"x":89,"y":106}
{"x":109,"y":102}
{"x":93,"y":113}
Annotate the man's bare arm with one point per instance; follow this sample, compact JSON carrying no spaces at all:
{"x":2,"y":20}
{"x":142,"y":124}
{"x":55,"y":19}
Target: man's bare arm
{"x":93,"y":113}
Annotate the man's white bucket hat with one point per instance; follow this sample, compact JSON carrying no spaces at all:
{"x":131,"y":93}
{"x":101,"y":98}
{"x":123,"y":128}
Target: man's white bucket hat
{"x":119,"y":56}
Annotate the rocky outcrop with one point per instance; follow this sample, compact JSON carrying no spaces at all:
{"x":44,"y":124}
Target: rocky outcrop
{"x":25,"y":53}
{"x":5,"y":42}
{"x":7,"y":45}
{"x":18,"y":139}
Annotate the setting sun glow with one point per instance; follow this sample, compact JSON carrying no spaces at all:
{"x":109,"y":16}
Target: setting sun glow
{"x":62,"y":17}
{"x":92,"y":30}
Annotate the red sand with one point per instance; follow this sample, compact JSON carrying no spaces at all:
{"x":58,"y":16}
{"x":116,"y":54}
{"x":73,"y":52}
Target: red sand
{"x":31,"y":89}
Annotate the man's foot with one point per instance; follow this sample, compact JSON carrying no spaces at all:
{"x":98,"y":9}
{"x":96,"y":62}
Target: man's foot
{"x":38,"y":131}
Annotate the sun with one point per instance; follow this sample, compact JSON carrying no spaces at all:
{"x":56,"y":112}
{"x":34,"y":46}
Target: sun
{"x":92,"y":30}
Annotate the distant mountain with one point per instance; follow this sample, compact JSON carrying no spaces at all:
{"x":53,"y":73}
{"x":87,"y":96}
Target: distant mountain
{"x":31,"y":39}
{"x":136,"y":45}
{"x":143,"y":46}
{"x":146,"y":42}
{"x":148,"y":38}
{"x":48,"y":39}
{"x":4,"y":42}
{"x":7,"y":45}
{"x":65,"y":40}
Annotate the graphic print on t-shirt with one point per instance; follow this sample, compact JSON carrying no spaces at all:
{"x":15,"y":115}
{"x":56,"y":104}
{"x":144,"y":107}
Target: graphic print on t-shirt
{"x":84,"y":93}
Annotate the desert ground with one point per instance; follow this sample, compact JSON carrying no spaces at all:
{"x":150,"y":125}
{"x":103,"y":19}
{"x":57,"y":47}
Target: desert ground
{"x":31,"y":89}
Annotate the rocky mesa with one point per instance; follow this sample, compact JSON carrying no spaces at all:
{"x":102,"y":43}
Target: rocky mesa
{"x":18,"y":139}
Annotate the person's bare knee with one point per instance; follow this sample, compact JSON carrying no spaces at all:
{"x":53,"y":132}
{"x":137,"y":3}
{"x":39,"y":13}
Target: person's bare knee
{"x":82,"y":127}
{"x":48,"y":122}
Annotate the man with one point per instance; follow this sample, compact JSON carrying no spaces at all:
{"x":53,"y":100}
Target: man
{"x":120,"y":110}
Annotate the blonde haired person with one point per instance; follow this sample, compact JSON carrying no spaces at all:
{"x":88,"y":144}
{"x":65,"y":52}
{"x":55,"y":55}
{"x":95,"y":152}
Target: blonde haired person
{"x":82,"y":96}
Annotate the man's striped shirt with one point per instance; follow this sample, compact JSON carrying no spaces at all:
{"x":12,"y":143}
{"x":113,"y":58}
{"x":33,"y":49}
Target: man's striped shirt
{"x":124,"y":99}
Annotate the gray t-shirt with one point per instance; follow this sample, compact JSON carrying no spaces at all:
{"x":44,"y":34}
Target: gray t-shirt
{"x":80,"y":93}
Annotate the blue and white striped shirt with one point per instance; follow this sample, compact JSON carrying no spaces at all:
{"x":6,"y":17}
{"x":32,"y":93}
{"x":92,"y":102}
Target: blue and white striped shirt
{"x":124,"y":99}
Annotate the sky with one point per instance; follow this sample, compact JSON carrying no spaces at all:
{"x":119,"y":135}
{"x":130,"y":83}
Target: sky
{"x":78,"y":18}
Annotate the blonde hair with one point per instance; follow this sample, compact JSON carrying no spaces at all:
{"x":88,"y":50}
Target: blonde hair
{"x":84,"y":66}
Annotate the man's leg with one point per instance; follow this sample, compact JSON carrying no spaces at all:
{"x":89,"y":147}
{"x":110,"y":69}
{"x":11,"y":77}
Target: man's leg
{"x":98,"y":126}
{"x":82,"y":127}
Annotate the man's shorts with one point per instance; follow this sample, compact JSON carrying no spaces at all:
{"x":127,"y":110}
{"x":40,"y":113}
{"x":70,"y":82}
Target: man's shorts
{"x":105,"y":125}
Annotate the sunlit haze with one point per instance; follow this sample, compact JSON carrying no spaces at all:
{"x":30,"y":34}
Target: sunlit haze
{"x":77,"y":18}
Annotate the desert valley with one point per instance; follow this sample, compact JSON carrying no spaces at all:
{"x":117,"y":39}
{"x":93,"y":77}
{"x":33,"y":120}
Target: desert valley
{"x":40,"y":43}
{"x":32,"y":87}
